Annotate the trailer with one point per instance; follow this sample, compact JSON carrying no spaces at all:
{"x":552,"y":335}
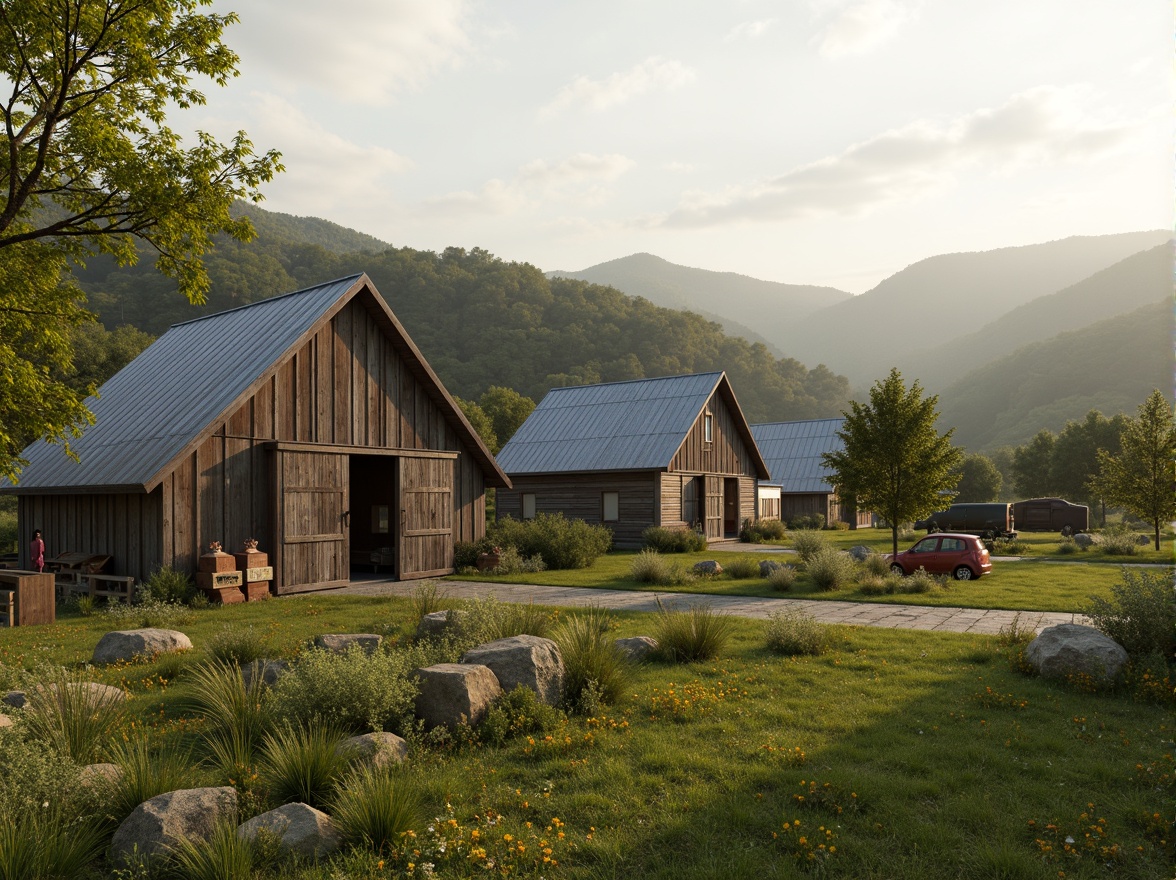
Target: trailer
{"x":1051,"y":515}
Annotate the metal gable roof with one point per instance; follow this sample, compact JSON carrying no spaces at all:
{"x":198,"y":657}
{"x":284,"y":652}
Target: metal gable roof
{"x":793,"y":452}
{"x":636,"y":425}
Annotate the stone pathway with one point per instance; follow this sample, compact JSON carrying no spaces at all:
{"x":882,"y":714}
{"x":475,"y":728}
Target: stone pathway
{"x":970,"y":620}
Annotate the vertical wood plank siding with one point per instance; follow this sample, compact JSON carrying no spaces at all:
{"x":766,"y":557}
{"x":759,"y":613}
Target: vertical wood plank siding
{"x":347,"y":385}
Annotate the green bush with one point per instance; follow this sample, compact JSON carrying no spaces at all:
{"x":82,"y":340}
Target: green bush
{"x":31,"y":775}
{"x":782,"y":578}
{"x":466,"y":553}
{"x":485,"y":620}
{"x":592,"y":662}
{"x":921,"y":581}
{"x":763,"y":531}
{"x":793,"y":632}
{"x":510,"y":561}
{"x":809,"y":521}
{"x":237,"y":644}
{"x":743,"y":568}
{"x":165,"y":584}
{"x":372,"y":809}
{"x":830,"y":569}
{"x":808,"y":544}
{"x":1068,"y":546}
{"x":839,"y":525}
{"x":149,"y":613}
{"x":876,"y":564}
{"x":515,"y":714}
{"x":303,"y":764}
{"x":1119,"y":540}
{"x":698,"y":633}
{"x":561,"y":542}
{"x":877,"y":584}
{"x":665,"y":540}
{"x":1141,"y":615}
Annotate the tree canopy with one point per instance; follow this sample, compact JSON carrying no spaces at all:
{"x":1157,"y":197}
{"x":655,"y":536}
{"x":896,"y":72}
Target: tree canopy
{"x":980,"y":479}
{"x":894,"y":461}
{"x":90,"y":166}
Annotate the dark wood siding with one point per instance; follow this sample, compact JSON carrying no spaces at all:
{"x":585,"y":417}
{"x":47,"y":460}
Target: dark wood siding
{"x":580,"y":496}
{"x":725,"y":454}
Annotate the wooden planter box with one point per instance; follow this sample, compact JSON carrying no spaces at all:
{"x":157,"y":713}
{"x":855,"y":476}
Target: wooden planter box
{"x":34,"y":601}
{"x":222,"y":587}
{"x":211,"y":563}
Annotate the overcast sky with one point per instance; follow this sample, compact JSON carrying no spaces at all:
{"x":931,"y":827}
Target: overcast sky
{"x":811,"y":142}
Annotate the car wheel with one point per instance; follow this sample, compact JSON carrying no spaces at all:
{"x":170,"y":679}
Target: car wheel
{"x":895,"y":568}
{"x":963,"y":573}
{"x":1067,"y":531}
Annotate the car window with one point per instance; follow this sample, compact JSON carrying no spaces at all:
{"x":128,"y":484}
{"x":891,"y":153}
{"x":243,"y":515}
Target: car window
{"x":952,"y":544}
{"x":927,"y":545}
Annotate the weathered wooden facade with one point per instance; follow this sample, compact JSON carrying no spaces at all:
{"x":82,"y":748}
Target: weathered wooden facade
{"x":793,"y":453}
{"x":674,"y":452}
{"x":309,"y":421}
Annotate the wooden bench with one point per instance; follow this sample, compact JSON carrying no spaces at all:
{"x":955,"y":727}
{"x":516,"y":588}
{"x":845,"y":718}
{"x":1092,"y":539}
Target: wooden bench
{"x":111,"y":586}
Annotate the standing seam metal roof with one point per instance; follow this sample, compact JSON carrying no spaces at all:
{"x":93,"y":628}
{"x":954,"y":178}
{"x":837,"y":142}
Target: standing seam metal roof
{"x":793,"y":452}
{"x":635,"y":425}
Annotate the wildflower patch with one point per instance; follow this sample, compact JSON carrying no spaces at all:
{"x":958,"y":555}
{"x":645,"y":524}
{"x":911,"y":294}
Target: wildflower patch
{"x":1086,"y":837}
{"x":693,"y":700}
{"x":812,"y":849}
{"x":826,"y":796}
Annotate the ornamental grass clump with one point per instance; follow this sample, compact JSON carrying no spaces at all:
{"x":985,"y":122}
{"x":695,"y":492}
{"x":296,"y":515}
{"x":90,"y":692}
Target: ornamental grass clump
{"x":808,"y":544}
{"x":743,"y":568}
{"x":236,"y":716}
{"x":73,"y":716}
{"x":237,"y":644}
{"x":1141,"y":614}
{"x":782,"y":578}
{"x":592,"y":660}
{"x":698,"y":633}
{"x":763,"y":531}
{"x":303,"y":763}
{"x":145,"y":772}
{"x":921,"y":581}
{"x":830,"y":569}
{"x":45,"y":844}
{"x":224,"y":855}
{"x":373,"y":809}
{"x":168,"y":585}
{"x":794,"y":633}
{"x":650,"y":567}
{"x":1119,"y":540}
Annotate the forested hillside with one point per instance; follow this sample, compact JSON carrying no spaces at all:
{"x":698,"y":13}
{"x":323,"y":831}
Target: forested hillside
{"x":482,"y":321}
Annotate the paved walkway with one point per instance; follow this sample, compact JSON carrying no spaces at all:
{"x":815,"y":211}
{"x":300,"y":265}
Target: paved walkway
{"x":970,"y":620}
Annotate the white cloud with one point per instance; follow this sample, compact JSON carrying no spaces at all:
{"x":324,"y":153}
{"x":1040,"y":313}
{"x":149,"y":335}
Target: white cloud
{"x":749,"y":30}
{"x":1043,"y":126}
{"x":580,"y":179}
{"x":861,"y":27}
{"x":358,"y":51}
{"x":678,"y":167}
{"x":652,"y":74}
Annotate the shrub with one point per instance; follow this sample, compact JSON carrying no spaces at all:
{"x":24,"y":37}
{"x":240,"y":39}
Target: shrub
{"x":510,"y":561}
{"x":808,"y":544}
{"x":77,"y":722}
{"x":699,"y":633}
{"x":303,"y":764}
{"x":839,"y":525}
{"x":743,"y":568}
{"x":1119,"y":540}
{"x":808,"y":521}
{"x":592,"y":661}
{"x":85,"y":604}
{"x":920,"y":581}
{"x":650,"y":567}
{"x":763,"y":531}
{"x":782,"y":578}
{"x":427,"y":599}
{"x":168,"y":585}
{"x":147,"y":773}
{"x":149,"y":613}
{"x":31,"y":775}
{"x":561,"y":542}
{"x":48,"y":844}
{"x":665,"y":540}
{"x":485,"y":620}
{"x":830,"y":569}
{"x":222,"y":856}
{"x":876,"y":564}
{"x":1068,"y":545}
{"x":793,"y":632}
{"x":516,"y":713}
{"x":357,"y":691}
{"x":237,"y":644}
{"x":466,"y":553}
{"x":1008,"y":547}
{"x":1141,"y":615}
{"x":907,"y":534}
{"x":373,"y":810}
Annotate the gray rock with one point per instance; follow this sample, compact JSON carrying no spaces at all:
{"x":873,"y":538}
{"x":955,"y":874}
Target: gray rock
{"x":379,"y":750}
{"x":158,"y":824}
{"x":340,"y":643}
{"x":131,"y":643}
{"x":637,"y":648}
{"x":708,"y":567}
{"x":451,"y":693}
{"x":767,"y":566}
{"x":15,"y":699}
{"x":438,"y":622}
{"x":530,"y":661}
{"x":860,"y":552}
{"x":1142,"y":540}
{"x":1082,"y":539}
{"x":269,"y":671}
{"x":1073,"y":649}
{"x":300,"y":828}
{"x":100,"y":774}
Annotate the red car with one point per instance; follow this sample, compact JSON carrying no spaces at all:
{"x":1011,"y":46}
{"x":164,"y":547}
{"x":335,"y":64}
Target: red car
{"x":964,"y":557}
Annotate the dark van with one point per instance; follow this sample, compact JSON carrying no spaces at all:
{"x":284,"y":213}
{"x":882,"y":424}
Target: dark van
{"x":1051,"y":515}
{"x":985,"y":520}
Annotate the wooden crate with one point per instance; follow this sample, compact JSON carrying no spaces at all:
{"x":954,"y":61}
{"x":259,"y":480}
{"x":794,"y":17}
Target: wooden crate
{"x":34,"y":601}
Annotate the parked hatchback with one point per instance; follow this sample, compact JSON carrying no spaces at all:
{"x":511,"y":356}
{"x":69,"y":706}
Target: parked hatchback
{"x":964,"y":557}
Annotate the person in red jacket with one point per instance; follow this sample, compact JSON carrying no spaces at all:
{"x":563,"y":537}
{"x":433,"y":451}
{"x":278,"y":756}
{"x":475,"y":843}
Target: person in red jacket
{"x":37,"y":551}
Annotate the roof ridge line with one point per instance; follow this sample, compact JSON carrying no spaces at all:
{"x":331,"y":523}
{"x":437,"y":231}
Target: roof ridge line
{"x":270,"y":299}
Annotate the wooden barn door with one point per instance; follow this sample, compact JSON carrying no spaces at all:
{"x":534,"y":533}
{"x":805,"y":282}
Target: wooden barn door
{"x":311,"y":521}
{"x":426,"y":517}
{"x":714,"y":507}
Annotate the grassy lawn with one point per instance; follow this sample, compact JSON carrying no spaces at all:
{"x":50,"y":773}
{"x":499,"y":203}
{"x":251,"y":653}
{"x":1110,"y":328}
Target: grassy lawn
{"x":1028,"y":585}
{"x":920,"y":754}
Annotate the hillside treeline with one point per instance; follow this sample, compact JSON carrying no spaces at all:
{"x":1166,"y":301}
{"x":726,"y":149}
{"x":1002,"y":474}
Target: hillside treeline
{"x":485,"y":322}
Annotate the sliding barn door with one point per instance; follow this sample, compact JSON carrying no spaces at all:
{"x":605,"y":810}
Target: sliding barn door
{"x":311,"y":521}
{"x":714,"y":507}
{"x":426,"y":517}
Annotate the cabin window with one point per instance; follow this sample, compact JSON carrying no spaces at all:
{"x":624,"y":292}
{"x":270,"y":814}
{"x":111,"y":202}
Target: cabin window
{"x":611,"y":504}
{"x":528,"y":505}
{"x":708,"y":428}
{"x":381,"y":520}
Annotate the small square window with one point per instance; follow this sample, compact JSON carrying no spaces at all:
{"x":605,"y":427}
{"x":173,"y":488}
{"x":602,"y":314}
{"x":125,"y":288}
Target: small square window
{"x":528,"y":506}
{"x":611,"y":504}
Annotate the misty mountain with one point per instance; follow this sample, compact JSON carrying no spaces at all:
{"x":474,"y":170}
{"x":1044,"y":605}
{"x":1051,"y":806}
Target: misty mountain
{"x":1110,"y":366}
{"x":943,"y":298}
{"x":737,"y":302}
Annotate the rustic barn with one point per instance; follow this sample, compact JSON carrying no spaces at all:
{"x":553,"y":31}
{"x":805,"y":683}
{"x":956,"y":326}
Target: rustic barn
{"x":793,"y":452}
{"x":308,"y":421}
{"x":674,"y":452}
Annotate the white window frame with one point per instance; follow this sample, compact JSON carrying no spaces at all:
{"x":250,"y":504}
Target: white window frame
{"x":708,"y":427}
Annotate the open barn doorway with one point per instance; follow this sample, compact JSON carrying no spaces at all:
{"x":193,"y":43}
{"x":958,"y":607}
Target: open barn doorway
{"x":374,"y":513}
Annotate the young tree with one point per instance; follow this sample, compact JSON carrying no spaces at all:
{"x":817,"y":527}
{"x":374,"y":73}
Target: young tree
{"x":88,"y":165}
{"x":1031,"y":466}
{"x":1140,"y":478}
{"x":480,"y":422}
{"x":894,"y":461}
{"x":980,"y":480}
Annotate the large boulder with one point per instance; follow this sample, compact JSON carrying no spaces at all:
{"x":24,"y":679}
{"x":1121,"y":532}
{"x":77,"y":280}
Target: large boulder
{"x":1082,"y":539}
{"x":127,"y":644}
{"x":767,"y":566}
{"x":708,"y":568}
{"x":267,"y":672}
{"x":438,"y":622}
{"x":1071,"y":649}
{"x":378,"y":750}
{"x":530,"y":661}
{"x":453,"y":693}
{"x":300,"y":828}
{"x":158,"y":824}
{"x":341,"y":643}
{"x":860,"y":552}
{"x":637,"y":648}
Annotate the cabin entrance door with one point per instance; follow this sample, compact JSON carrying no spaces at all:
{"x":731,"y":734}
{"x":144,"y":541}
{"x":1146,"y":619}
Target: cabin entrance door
{"x":730,"y":507}
{"x":311,"y":520}
{"x":425,"y":539}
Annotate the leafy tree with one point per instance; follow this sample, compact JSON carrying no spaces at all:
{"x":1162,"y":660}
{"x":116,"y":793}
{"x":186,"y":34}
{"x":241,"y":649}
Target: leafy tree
{"x":1002,"y":457}
{"x":1140,"y":477}
{"x":980,"y":479}
{"x":507,"y":410}
{"x":480,"y":421}
{"x":89,"y":166}
{"x":1074,"y":461}
{"x":1031,"y":466}
{"x":893,"y":460}
{"x":99,"y":353}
